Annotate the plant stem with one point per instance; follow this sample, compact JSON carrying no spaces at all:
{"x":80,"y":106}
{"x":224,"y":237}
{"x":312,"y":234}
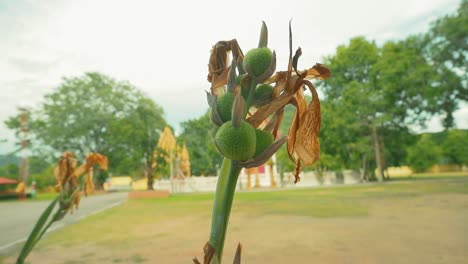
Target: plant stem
{"x":250,"y":98}
{"x":224,"y":196}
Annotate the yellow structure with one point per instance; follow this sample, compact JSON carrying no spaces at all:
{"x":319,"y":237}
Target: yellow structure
{"x":167,"y":142}
{"x":20,"y":188}
{"x":184,"y":161}
{"x":140,"y":185}
{"x":119,"y":183}
{"x":405,"y":171}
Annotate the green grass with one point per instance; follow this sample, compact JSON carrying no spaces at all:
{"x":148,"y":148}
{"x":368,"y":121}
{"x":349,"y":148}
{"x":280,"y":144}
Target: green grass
{"x":134,"y":223}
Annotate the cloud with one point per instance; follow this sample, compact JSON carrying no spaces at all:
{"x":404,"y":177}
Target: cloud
{"x":163,"y":48}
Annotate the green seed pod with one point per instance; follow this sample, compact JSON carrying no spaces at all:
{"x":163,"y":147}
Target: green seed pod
{"x":258,"y":60}
{"x":236,"y":143}
{"x":263,"y":94}
{"x":264,"y":140}
{"x":224,"y":105}
{"x":263,"y":89}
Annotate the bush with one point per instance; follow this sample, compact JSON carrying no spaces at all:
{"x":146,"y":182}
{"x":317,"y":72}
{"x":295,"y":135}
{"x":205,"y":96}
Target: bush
{"x":423,"y":154}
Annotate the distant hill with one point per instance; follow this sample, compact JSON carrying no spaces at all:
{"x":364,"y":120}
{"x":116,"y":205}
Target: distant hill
{"x":7,"y":159}
{"x":439,"y":137}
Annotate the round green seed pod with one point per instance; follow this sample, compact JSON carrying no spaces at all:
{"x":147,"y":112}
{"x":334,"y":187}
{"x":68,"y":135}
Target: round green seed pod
{"x":236,"y":143}
{"x":224,"y":104}
{"x":263,"y":89}
{"x":264,"y":140}
{"x":258,"y":60}
{"x":263,"y":94}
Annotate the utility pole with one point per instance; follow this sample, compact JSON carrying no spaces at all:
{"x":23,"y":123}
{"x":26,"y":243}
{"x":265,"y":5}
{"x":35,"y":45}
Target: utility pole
{"x":24,"y":128}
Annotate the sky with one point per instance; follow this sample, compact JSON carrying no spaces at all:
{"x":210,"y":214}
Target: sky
{"x":162,"y":47}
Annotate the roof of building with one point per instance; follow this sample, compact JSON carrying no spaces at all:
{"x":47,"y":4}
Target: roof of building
{"x":4,"y":180}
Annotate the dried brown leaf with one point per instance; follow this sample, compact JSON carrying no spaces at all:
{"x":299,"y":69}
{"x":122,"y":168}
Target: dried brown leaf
{"x":297,"y":171}
{"x":209,"y":252}
{"x":306,"y":145}
{"x":237,"y":257}
{"x":295,"y":59}
{"x":218,"y":69}
{"x":274,"y":123}
{"x":317,"y":71}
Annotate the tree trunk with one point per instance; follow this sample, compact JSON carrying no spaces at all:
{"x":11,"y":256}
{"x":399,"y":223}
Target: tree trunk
{"x":364,"y":168}
{"x":383,"y":161}
{"x":150,"y":175}
{"x":378,"y":154}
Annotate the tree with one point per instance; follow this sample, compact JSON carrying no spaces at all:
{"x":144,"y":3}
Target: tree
{"x":138,"y":136}
{"x":423,"y":154}
{"x":198,"y":135}
{"x":455,"y":145}
{"x":97,"y":113}
{"x":354,"y":89}
{"x":377,"y":90}
{"x":44,"y":178}
{"x":446,"y":44}
{"x":9,"y":170}
{"x":448,"y":41}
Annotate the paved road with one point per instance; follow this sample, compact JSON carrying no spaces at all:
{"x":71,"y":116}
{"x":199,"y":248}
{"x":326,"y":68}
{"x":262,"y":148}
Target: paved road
{"x":18,"y":218}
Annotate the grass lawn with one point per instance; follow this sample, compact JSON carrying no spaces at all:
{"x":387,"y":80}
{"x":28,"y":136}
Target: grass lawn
{"x":394,"y":222}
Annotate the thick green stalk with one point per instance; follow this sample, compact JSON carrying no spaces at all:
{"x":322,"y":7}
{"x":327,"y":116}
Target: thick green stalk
{"x":227,"y":181}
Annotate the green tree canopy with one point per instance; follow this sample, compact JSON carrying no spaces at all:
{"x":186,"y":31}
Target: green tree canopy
{"x":94,"y":112}
{"x":455,"y":147}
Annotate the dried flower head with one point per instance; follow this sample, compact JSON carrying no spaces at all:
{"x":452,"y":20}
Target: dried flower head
{"x":288,"y":88}
{"x":67,"y":173}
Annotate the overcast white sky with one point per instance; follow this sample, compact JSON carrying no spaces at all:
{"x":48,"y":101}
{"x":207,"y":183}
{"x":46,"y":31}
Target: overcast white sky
{"x":162,"y":47}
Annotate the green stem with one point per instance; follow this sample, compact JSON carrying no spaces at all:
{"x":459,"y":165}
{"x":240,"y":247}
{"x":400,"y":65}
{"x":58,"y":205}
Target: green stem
{"x":250,"y":98}
{"x":224,"y":196}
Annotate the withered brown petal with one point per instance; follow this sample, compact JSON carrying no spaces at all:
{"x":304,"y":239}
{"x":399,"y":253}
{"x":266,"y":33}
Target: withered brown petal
{"x":292,"y":135}
{"x":297,"y":171}
{"x":278,"y":101}
{"x":279,"y":114}
{"x":296,"y":58}
{"x":318,"y":71}
{"x":270,"y":126}
{"x":209,"y":252}
{"x":217,"y":67}
{"x":220,"y":80}
{"x":307,"y":146}
{"x":265,"y":111}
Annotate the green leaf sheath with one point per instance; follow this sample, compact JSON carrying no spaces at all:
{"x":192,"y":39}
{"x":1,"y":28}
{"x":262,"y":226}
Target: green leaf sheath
{"x":224,"y":196}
